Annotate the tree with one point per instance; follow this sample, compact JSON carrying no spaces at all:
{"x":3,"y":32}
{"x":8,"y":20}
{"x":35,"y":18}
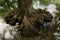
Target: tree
{"x":30,"y":21}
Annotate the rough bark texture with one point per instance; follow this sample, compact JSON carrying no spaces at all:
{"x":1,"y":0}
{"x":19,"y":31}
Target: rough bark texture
{"x":30,"y":20}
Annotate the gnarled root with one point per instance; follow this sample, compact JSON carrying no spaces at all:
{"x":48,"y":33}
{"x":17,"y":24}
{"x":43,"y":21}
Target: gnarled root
{"x":13,"y":17}
{"x":29,"y":26}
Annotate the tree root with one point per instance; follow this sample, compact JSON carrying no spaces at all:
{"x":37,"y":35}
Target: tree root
{"x":29,"y":26}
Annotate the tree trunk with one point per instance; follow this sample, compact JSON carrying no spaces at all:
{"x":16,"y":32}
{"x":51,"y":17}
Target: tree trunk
{"x":30,"y":20}
{"x":26,"y":7}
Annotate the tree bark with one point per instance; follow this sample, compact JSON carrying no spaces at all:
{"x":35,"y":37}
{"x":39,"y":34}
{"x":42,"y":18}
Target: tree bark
{"x":30,"y":20}
{"x":26,"y":7}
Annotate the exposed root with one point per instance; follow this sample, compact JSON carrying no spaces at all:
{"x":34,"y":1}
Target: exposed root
{"x":13,"y":17}
{"x":29,"y":26}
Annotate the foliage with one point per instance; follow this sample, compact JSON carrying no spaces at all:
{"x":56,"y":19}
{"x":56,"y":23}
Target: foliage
{"x":7,"y":5}
{"x":11,"y":4}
